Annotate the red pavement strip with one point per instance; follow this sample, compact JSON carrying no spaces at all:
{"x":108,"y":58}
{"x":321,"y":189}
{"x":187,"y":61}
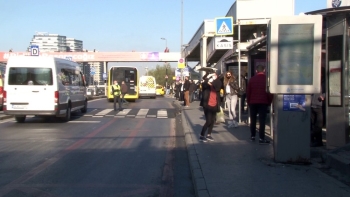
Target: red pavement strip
{"x":7,"y":188}
{"x":127,"y":142}
{"x":167,"y":189}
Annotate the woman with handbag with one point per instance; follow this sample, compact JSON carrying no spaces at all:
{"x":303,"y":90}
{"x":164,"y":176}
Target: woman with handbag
{"x":231,"y":89}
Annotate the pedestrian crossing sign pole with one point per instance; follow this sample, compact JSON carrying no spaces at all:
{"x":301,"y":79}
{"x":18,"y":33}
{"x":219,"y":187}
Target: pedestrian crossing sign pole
{"x":224,"y":26}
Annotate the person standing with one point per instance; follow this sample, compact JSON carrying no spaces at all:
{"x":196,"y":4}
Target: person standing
{"x":258,"y":100}
{"x":187,"y":92}
{"x":181,"y":95}
{"x":124,"y":90}
{"x":177,"y":90}
{"x":230,"y":88}
{"x":211,"y":104}
{"x":244,"y":79}
{"x":167,"y":89}
{"x":317,"y":118}
{"x":200,"y":90}
{"x":116,"y":95}
{"x":191,"y":90}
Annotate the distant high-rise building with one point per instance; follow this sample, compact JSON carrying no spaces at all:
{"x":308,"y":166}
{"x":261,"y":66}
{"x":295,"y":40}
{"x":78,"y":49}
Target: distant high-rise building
{"x":55,"y":43}
{"x":74,"y":45}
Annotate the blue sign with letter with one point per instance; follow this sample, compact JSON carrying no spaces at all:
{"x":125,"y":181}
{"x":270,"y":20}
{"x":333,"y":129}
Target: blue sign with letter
{"x":34,"y":50}
{"x":104,"y":76}
{"x":294,"y":102}
{"x":224,"y":26}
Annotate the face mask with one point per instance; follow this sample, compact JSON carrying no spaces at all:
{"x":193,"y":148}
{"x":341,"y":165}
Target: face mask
{"x":228,"y":77}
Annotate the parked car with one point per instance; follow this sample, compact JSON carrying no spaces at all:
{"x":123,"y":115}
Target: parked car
{"x":90,"y":92}
{"x":160,"y":90}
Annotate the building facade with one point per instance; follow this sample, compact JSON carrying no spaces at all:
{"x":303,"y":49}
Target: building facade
{"x":55,"y":43}
{"x":74,"y":45}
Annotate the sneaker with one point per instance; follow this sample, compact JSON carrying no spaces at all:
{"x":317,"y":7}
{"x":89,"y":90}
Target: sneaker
{"x":263,"y":141}
{"x":203,"y":139}
{"x":210,"y":138}
{"x":235,"y":124}
{"x":252,"y":138}
{"x":230,"y":125}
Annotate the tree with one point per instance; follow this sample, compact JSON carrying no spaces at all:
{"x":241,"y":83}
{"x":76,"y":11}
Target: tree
{"x":160,"y":72}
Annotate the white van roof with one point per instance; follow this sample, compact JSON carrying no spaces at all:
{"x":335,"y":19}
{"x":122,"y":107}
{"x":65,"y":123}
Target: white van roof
{"x":23,"y":60}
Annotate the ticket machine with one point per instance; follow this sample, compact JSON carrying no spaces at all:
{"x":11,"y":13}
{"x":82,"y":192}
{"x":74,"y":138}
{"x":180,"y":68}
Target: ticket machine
{"x":293,"y":74}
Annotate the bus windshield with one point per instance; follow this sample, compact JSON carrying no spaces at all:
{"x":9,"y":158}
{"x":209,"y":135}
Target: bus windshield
{"x":130,"y":77}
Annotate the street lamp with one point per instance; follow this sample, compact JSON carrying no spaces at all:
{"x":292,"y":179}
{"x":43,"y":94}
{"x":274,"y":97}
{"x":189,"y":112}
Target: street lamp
{"x":166,"y":43}
{"x":146,"y":71}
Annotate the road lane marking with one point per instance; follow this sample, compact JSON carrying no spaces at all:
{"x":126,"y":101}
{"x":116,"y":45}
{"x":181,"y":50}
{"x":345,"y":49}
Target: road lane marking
{"x":103,"y":112}
{"x":84,"y":121}
{"x":162,"y":113}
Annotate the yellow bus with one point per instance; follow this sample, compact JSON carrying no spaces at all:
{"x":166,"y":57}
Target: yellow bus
{"x":129,"y":75}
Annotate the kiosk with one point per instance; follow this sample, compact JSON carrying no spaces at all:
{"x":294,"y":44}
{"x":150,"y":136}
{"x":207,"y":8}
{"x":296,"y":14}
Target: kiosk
{"x":293,"y":74}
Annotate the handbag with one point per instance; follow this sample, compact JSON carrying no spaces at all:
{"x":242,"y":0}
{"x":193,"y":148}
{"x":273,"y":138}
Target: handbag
{"x":239,"y":92}
{"x":220,"y":116}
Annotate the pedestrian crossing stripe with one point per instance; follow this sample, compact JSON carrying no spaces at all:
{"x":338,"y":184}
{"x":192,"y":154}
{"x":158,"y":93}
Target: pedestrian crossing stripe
{"x":131,"y":113}
{"x":224,"y":26}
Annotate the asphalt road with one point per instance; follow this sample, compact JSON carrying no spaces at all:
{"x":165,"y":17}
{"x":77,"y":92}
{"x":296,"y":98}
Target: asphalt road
{"x":139,"y":151}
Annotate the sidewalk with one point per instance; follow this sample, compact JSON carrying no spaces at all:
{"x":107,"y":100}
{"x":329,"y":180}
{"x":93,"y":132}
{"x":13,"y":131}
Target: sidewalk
{"x":232,"y":165}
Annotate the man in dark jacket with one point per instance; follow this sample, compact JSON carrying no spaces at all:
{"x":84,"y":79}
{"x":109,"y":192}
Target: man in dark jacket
{"x":258,"y":100}
{"x":192,"y":89}
{"x":187,"y":92}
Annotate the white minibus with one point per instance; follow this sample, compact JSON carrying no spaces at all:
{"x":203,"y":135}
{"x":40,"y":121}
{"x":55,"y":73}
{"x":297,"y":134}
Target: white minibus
{"x":43,"y":86}
{"x":147,"y":86}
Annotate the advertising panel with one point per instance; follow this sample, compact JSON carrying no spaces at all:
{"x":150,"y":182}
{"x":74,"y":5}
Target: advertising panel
{"x":294,"y":50}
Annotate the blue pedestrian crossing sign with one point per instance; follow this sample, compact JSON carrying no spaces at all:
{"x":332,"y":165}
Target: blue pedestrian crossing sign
{"x":224,"y":26}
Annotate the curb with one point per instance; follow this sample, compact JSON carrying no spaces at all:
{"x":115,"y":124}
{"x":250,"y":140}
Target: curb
{"x":338,"y":160}
{"x":200,"y":186}
{"x":4,"y":117}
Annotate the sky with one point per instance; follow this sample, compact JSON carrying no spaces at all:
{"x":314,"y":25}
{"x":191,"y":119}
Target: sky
{"x":115,"y":25}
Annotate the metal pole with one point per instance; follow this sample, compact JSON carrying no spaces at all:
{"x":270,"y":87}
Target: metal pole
{"x":182,"y":5}
{"x":239,"y":69}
